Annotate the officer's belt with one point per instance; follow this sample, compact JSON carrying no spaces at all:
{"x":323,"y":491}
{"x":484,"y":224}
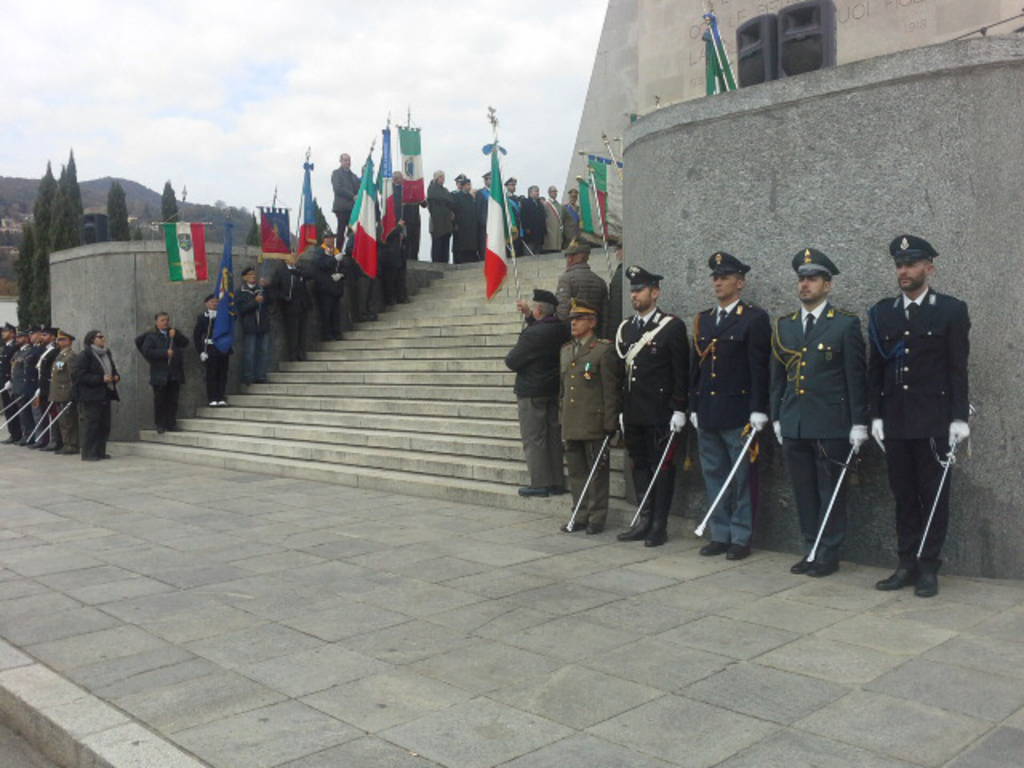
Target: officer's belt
{"x":638,"y":345}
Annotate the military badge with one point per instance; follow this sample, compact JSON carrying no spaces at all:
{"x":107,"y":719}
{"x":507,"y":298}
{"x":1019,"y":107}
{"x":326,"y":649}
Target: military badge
{"x":807,"y":256}
{"x":185,"y":242}
{"x":904,"y":244}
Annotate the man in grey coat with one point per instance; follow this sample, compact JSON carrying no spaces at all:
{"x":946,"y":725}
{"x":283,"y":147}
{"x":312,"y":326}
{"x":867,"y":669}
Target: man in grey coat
{"x":579,"y":282}
{"x":441,"y":207}
{"x":346,"y":187}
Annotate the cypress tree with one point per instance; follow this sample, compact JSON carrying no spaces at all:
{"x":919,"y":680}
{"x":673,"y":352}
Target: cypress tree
{"x":74,"y":193}
{"x":44,"y":213}
{"x":253,"y":238}
{"x":322,"y":227}
{"x":137,"y":233}
{"x":168,"y":204}
{"x":24,"y":271}
{"x":66,"y":224}
{"x":117,"y":213}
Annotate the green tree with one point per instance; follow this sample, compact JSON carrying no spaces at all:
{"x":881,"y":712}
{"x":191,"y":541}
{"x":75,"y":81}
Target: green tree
{"x":44,"y":213}
{"x":24,"y":271}
{"x":322,"y":227}
{"x":73,"y":191}
{"x":137,"y":233}
{"x":253,"y":238}
{"x":117,"y":213}
{"x":168,"y":204}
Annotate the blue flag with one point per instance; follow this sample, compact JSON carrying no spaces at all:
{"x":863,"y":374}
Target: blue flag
{"x":224,"y":323}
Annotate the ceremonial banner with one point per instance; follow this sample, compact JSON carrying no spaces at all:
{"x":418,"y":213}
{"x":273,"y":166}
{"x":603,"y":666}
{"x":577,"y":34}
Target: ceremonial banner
{"x":364,"y":223}
{"x":275,"y":235}
{"x":389,"y":205}
{"x":412,"y":165}
{"x":186,"y":251}
{"x":601,"y":202}
{"x":496,"y":258}
{"x":307,"y":229}
{"x":718,"y":69}
{"x":224,"y":322}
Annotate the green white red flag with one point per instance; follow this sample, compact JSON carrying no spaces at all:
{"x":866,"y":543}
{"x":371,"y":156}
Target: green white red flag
{"x":186,"y":251}
{"x":412,"y":165}
{"x":364,"y":223}
{"x":601,"y":198}
{"x":496,"y":258}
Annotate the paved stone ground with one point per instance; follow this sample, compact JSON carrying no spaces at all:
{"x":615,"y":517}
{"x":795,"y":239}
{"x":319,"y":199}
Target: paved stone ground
{"x":262,"y":622}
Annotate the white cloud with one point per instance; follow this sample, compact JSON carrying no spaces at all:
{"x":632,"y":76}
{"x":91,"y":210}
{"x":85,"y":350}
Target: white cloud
{"x":226,"y":96}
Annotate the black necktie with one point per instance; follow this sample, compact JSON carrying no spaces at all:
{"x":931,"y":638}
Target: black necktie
{"x":809,"y":327}
{"x":912,"y":311}
{"x":722,"y":314}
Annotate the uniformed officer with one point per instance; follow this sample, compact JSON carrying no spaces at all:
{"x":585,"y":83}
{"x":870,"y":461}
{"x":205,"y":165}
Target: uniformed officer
{"x":25,"y":381}
{"x":48,"y":438}
{"x":729,"y":383}
{"x":917,"y":384}
{"x":590,"y":396}
{"x":818,"y":403}
{"x":60,"y":394}
{"x":656,"y":351}
{"x":12,"y":341}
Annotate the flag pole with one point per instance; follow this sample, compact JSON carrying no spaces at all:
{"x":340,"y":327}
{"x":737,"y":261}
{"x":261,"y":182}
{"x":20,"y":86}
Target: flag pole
{"x":611,"y":154}
{"x":492,"y":115}
{"x":600,"y":216}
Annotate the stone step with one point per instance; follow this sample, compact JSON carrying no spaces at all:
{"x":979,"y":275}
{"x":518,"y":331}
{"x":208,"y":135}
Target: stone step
{"x":440,"y":317}
{"x":440,"y":379}
{"x":373,"y":364}
{"x":382,"y":341}
{"x":425,"y":332}
{"x":405,"y":461}
{"x":487,"y":428}
{"x":339,"y":351}
{"x":448,"y":409}
{"x":477,"y":393}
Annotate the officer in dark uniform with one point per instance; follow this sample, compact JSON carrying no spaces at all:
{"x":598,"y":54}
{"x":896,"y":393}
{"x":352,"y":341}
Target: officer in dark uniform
{"x":818,"y":404}
{"x":12,"y":340}
{"x":48,"y":438}
{"x":25,"y":379}
{"x":917,"y":383}
{"x":729,"y":383}
{"x":288,"y":285}
{"x":329,"y":277}
{"x":656,"y":352}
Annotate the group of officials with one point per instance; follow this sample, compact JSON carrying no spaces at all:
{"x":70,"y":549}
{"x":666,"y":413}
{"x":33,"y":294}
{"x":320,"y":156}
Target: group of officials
{"x":807,"y":375}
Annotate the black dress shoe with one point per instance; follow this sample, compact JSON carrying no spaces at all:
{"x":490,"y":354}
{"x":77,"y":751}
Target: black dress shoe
{"x":899,"y":579}
{"x":714,"y":548}
{"x":574,"y":528}
{"x":593,"y":528}
{"x":9,"y":440}
{"x":90,"y":458}
{"x":557,"y":490}
{"x":175,"y":428}
{"x":818,"y":570}
{"x":636,"y":533}
{"x":528,"y":490}
{"x":160,"y":430}
{"x":801,"y":567}
{"x":48,"y":448}
{"x":927,"y":584}
{"x":657,"y":536}
{"x":106,"y":456}
{"x":737,"y":552}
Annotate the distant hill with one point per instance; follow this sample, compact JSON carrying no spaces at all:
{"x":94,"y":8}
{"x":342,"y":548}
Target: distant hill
{"x":17,"y":197}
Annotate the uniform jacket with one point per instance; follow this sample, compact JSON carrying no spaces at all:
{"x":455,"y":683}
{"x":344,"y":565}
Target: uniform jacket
{"x":466,"y":225}
{"x":534,"y":219}
{"x":659,"y":382}
{"x":729,"y":376}
{"x":87,"y":375}
{"x":60,"y":378}
{"x":154,"y":345}
{"x":45,"y":368}
{"x":819,"y":384}
{"x":255,"y":317}
{"x":590,"y":392}
{"x":289,"y":288}
{"x":552,"y":225}
{"x":535,"y":357}
{"x":6,"y":356}
{"x":24,"y":375}
{"x":325,"y":266}
{"x":346,"y":186}
{"x":580,"y":282}
{"x":917,"y":370}
{"x":570,"y":223}
{"x":441,"y":206}
{"x":202,"y":336}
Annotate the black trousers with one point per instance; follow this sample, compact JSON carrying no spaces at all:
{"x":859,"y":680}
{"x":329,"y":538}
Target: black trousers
{"x":11,"y":406}
{"x":330,"y":315}
{"x":343,"y":218}
{"x":466,"y":256}
{"x":165,"y":405}
{"x":94,"y":428}
{"x":914,"y":475}
{"x":440,"y":248}
{"x":814,"y":467}
{"x":216,"y":376}
{"x":645,"y":446}
{"x":295,"y":334}
{"x":393,"y":284}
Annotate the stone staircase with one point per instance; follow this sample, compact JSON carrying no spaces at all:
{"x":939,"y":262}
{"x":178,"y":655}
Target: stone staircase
{"x":419,"y":403}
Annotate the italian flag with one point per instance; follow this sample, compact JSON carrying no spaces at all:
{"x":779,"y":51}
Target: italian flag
{"x":605,"y":193}
{"x":186,"y":251}
{"x":364,"y":223}
{"x":412,"y":165}
{"x":495,"y":260}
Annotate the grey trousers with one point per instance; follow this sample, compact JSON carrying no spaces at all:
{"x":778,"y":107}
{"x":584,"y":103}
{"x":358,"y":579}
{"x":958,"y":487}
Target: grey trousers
{"x":542,"y":441}
{"x":733,"y":517}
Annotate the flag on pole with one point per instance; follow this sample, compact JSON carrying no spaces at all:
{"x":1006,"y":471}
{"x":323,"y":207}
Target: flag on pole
{"x":412,"y":165}
{"x":224,"y":322}
{"x":601,"y":198}
{"x":496,"y":258}
{"x":719,"y":77}
{"x":186,"y":251}
{"x":364,"y":222}
{"x":307,"y":229}
{"x":389,"y":206}
{"x":275,"y":235}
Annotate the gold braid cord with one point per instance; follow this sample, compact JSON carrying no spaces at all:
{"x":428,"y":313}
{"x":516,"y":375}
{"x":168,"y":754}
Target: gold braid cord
{"x":791,"y":358}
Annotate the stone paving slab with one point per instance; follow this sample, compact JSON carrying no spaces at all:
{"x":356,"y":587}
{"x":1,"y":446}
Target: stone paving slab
{"x":243,"y":620}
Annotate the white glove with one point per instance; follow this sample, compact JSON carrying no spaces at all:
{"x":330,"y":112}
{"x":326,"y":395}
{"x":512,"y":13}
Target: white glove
{"x":958,"y":432}
{"x":336,"y":276}
{"x":7,"y":387}
{"x":758,"y":420}
{"x":39,"y":392}
{"x":777,"y":426}
{"x":693,"y":419}
{"x":678,"y":421}
{"x":878,"y":430}
{"x":858,"y":436}
{"x":203,"y":357}
{"x":622,"y":425}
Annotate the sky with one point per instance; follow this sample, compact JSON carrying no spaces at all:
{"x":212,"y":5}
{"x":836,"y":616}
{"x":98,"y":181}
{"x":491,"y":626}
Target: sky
{"x":224,"y":97}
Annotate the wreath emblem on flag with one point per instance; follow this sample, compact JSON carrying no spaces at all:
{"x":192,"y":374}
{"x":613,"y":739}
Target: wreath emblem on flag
{"x":185,"y":242}
{"x":410,"y":167}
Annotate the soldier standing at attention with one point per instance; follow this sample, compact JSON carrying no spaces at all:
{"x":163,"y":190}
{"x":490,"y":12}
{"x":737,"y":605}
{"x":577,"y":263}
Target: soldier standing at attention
{"x":728,"y":397}
{"x":11,"y":344}
{"x":917,"y":384}
{"x":60,"y":394}
{"x":589,"y":400}
{"x":818,"y":403}
{"x":656,"y":351}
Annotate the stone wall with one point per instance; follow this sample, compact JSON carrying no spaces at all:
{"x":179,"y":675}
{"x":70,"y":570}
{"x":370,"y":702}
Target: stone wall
{"x":926,"y":141}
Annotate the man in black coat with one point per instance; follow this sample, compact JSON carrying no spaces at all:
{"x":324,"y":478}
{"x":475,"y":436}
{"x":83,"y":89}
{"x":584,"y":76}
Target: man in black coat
{"x":466,"y":234}
{"x":918,"y":400}
{"x":729,"y":386}
{"x":656,"y":351}
{"x":483,"y":195}
{"x":95,"y":380}
{"x":12,"y":342}
{"x":533,"y":220}
{"x":534,"y":358}
{"x":215,"y":361}
{"x":289,"y":288}
{"x":346,"y":186}
{"x":329,"y":278}
{"x":162,"y":346}
{"x":252,"y":302}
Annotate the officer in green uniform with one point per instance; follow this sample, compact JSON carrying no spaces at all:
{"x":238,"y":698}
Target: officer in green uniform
{"x":60,"y":394}
{"x":818,"y":404}
{"x":590,"y":398}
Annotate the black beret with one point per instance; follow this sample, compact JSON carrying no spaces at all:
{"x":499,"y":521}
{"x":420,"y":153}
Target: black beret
{"x":907,"y":248}
{"x":547,"y":297}
{"x":810,"y":261}
{"x":722,"y":263}
{"x":211,"y":296}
